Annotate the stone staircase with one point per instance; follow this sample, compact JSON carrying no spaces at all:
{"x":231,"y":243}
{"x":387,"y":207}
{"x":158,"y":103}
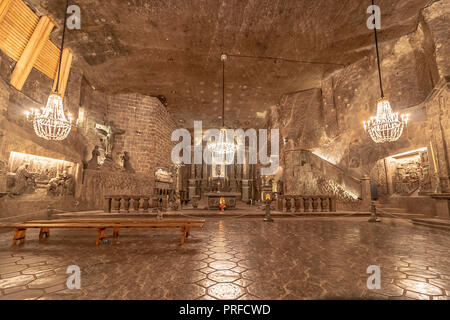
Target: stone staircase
{"x":392,"y":211}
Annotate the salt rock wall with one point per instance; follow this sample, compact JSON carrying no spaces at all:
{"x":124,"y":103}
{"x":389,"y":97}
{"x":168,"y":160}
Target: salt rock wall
{"x":146,"y":123}
{"x":308,"y":174}
{"x":328,"y":120}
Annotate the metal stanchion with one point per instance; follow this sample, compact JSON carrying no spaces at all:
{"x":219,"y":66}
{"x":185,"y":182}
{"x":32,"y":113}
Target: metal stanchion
{"x":49,"y":212}
{"x":373,"y":210}
{"x":268,"y":217}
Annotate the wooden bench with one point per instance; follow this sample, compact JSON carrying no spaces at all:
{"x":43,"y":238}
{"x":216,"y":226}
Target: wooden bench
{"x":101,"y":225}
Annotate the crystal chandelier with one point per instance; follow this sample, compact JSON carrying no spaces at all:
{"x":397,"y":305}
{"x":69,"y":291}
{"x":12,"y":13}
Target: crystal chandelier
{"x":224,"y":145}
{"x":51,"y":123}
{"x":386,"y":126}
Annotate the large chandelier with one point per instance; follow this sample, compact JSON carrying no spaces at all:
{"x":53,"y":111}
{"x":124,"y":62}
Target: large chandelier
{"x":224,"y":145}
{"x":51,"y":123}
{"x":386,"y":126}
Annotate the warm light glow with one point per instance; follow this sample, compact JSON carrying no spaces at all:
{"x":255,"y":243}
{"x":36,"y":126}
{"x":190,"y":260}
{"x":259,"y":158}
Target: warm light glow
{"x":325,"y":157}
{"x":51,"y":123}
{"x":412,"y":152}
{"x":223,"y":146}
{"x":386,"y":126}
{"x":37,"y":163}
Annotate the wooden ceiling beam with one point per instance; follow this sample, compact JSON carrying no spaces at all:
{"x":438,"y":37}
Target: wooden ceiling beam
{"x":32,"y":51}
{"x":4,"y":7}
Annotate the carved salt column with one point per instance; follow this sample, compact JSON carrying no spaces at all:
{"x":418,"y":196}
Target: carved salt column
{"x":365,"y":194}
{"x":438,"y":119}
{"x":245,"y":187}
{"x":192,"y":186}
{"x":108,"y":204}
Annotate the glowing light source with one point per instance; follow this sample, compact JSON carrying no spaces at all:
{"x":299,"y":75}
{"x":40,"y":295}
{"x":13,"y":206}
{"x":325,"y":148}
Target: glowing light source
{"x":223,"y":146}
{"x":51,"y":123}
{"x":386,"y":126}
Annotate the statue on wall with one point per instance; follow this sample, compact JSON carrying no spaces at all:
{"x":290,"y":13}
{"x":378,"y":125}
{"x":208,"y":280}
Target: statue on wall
{"x":126,"y":164}
{"x":25,"y":182}
{"x":108,"y":133}
{"x":93,"y":163}
{"x":62,"y":185}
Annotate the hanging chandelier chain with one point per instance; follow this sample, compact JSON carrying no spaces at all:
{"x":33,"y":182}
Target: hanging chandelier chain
{"x":62,"y":45}
{"x":377,"y":50}
{"x":223,"y":90}
{"x":386,"y":126}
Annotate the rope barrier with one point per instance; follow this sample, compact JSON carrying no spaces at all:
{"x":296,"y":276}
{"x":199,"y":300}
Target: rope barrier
{"x":391,"y":214}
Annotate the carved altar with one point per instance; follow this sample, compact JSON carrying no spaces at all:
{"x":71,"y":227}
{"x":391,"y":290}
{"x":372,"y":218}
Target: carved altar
{"x":230,"y":199}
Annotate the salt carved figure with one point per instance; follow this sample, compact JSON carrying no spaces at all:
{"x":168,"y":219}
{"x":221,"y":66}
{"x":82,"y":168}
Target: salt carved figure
{"x":62,"y":185}
{"x":25,"y":181}
{"x":126,"y":164}
{"x":108,"y":133}
{"x":93,"y":163}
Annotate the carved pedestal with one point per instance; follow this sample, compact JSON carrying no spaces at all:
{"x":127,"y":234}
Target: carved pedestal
{"x":325,"y":204}
{"x":136,"y":203}
{"x":288,"y":204}
{"x":145,"y":203}
{"x":126,"y":203}
{"x":365,"y":194}
{"x":117,"y":203}
{"x":316,"y":204}
{"x":245,"y":189}
{"x":442,"y":205}
{"x":192,"y":188}
{"x":108,"y":204}
{"x":308,"y":204}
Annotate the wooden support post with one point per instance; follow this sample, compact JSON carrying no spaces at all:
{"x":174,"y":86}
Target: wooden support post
{"x":66,"y":63}
{"x":31,"y":52}
{"x":101,"y":235}
{"x":4,"y":7}
{"x":116,"y":232}
{"x":183,"y":235}
{"x":19,"y":234}
{"x":188,"y":232}
{"x":44,"y":233}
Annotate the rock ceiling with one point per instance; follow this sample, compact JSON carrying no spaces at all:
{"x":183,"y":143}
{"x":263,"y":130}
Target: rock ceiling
{"x":173,"y":47}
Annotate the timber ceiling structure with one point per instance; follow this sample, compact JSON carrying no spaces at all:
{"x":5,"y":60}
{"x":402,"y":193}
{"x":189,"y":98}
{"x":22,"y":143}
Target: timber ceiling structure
{"x":173,"y":47}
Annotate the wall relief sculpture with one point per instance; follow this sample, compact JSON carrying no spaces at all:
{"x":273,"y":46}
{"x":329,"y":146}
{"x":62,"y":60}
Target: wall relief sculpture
{"x":107,"y":133}
{"x":412,"y":174}
{"x":28,"y":174}
{"x":93,"y":164}
{"x":62,"y":185}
